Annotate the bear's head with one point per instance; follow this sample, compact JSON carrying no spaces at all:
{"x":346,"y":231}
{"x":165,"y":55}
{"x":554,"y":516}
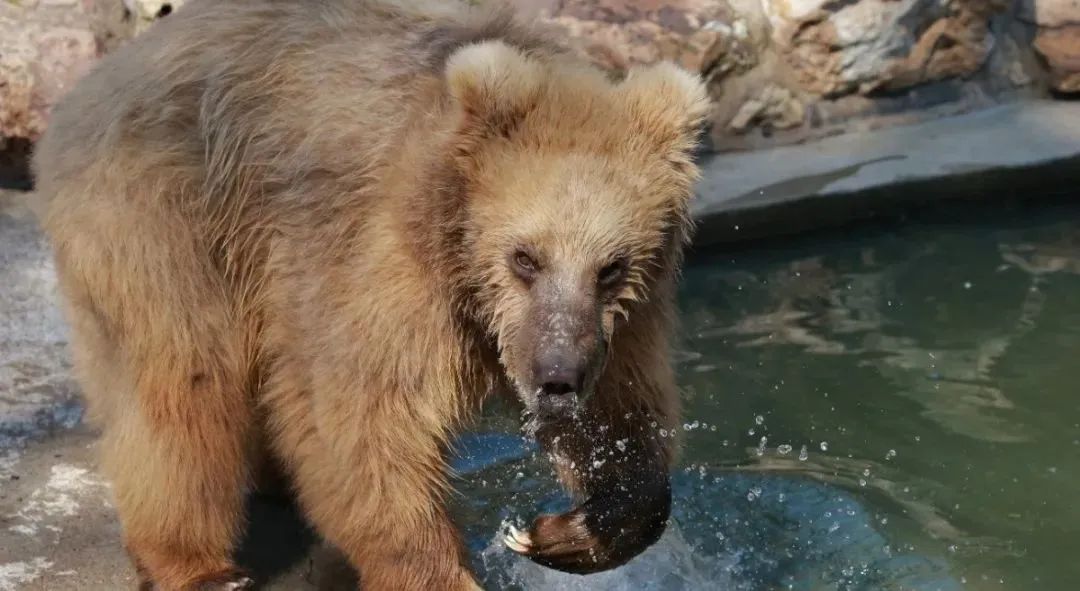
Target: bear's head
{"x":577,"y":190}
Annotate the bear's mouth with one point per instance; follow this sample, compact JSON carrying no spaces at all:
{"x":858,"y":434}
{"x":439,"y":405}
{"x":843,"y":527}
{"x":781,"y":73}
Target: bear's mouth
{"x":542,"y":410}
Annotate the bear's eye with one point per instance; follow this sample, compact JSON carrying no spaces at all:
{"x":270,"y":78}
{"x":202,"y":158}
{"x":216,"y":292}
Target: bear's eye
{"x":612,"y":274}
{"x":524,"y":265}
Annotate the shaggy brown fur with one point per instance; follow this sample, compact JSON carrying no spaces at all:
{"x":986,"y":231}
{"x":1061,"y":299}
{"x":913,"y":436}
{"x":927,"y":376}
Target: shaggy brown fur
{"x":336,"y":227}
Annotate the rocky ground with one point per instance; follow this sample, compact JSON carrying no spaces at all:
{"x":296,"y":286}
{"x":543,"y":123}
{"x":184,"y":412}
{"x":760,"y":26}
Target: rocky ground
{"x":60,"y":531}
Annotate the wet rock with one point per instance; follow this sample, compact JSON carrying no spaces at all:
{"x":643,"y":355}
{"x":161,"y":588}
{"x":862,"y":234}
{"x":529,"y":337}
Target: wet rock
{"x":1057,"y":39}
{"x":862,"y":46}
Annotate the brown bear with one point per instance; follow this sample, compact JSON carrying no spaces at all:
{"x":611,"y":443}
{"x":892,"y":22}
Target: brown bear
{"x":325,"y":232}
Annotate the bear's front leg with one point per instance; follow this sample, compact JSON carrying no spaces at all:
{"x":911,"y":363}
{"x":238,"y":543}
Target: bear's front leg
{"x":369,"y":474}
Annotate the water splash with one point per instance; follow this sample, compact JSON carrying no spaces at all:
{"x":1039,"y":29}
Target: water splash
{"x":672,"y":564}
{"x":730,"y":531}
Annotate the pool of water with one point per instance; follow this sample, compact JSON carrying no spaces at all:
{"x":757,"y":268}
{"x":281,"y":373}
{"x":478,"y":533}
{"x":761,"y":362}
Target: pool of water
{"x":887,"y":409}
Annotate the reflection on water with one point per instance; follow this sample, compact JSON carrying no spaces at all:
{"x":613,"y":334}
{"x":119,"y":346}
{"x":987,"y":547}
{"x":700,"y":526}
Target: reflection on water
{"x":891,"y":410}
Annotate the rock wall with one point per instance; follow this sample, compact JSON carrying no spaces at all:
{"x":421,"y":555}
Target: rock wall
{"x":781,"y":71}
{"x":785,"y":71}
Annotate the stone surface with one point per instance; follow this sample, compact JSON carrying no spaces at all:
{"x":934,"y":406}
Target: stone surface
{"x":868,"y":45}
{"x":59,"y":531}
{"x":1015,"y":136}
{"x":36,"y":394}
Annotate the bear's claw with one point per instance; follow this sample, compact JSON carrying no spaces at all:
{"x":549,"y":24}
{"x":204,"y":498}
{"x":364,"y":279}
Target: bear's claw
{"x":517,"y":540}
{"x":235,"y":583}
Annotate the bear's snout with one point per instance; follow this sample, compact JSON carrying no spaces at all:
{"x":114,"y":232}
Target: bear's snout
{"x":559,"y":373}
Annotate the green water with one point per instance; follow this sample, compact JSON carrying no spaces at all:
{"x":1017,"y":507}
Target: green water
{"x":931,"y":371}
{"x":896,"y":408}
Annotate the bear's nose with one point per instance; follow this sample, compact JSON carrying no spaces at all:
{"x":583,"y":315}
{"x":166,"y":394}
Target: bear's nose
{"x":559,"y":374}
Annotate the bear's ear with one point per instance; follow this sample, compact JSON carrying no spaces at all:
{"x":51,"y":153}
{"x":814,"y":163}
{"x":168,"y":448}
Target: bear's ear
{"x":494,"y":85}
{"x":668,"y":105}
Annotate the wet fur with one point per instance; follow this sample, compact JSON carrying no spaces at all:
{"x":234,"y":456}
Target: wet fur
{"x":275,"y":233}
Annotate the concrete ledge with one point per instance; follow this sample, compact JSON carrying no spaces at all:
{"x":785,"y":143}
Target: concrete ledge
{"x":1025,"y":149}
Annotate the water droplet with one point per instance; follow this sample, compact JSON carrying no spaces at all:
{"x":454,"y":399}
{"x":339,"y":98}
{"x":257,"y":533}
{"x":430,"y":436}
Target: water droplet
{"x":890,"y":454}
{"x":824,"y":446}
{"x":862,"y":482}
{"x":834,"y":527}
{"x":781,"y":497}
{"x":621,"y":444}
{"x":967,"y":285}
{"x":866,"y":472}
{"x":783,"y":449}
{"x":598,"y":463}
{"x":761,"y":446}
{"x":758,"y":420}
{"x":804,"y":454}
{"x":663,"y":432}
